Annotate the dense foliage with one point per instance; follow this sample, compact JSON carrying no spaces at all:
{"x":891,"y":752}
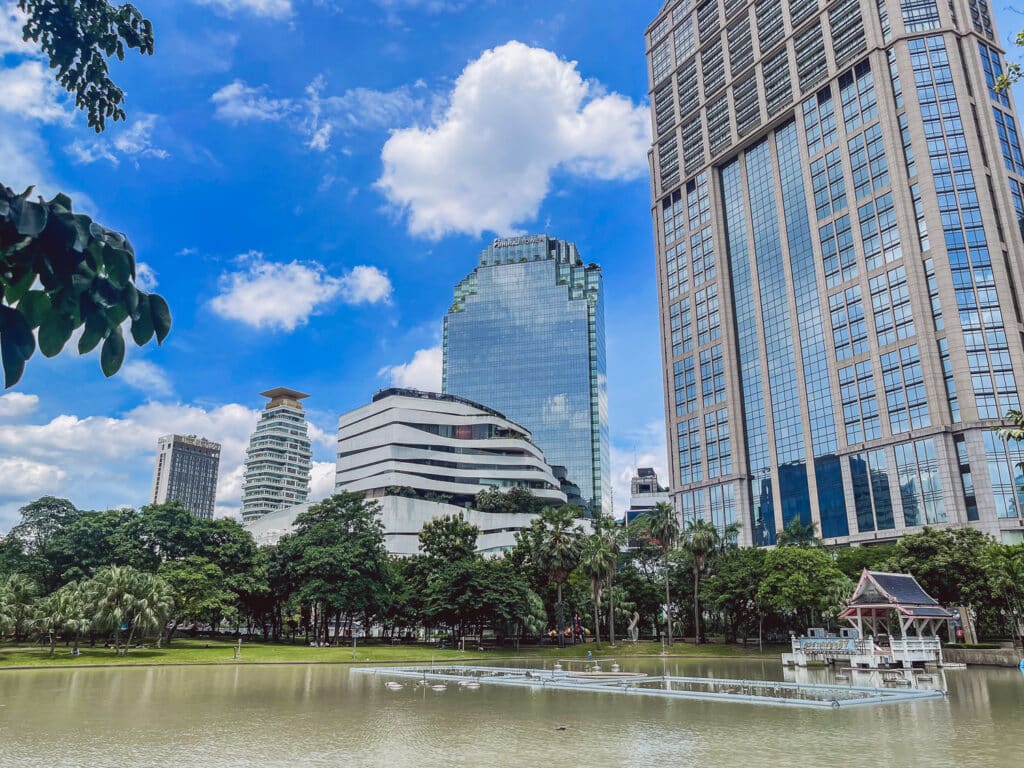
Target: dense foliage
{"x":121,"y":576}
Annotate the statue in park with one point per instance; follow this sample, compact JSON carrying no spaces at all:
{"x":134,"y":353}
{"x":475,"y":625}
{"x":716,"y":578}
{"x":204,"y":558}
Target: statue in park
{"x":634,"y":633}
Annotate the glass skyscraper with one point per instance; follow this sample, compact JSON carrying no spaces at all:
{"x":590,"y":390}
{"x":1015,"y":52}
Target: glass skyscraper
{"x":525,"y":335}
{"x":837,"y":194}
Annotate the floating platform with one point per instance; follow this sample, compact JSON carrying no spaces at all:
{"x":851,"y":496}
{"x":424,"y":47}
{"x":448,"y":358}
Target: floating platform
{"x":767,"y":692}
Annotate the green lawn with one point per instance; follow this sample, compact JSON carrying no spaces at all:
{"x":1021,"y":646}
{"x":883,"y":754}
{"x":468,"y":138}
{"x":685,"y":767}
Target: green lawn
{"x":199,"y":651}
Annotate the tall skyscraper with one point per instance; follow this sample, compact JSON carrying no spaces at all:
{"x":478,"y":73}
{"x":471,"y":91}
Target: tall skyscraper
{"x":525,"y":335}
{"x":278,"y":460}
{"x":186,"y":471}
{"x":837,"y":192}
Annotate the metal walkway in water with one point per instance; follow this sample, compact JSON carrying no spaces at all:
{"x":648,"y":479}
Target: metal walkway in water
{"x":770,"y":692}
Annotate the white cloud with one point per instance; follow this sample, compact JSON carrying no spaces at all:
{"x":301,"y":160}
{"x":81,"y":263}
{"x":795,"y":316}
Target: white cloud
{"x":274,"y":9}
{"x":134,"y":141}
{"x":11,"y":23}
{"x":107,"y":461}
{"x":422,"y":372}
{"x":14,"y":405}
{"x":240,"y":103}
{"x":29,"y":90}
{"x":145,"y":277}
{"x":366,"y":285}
{"x":23,"y":477}
{"x":321,"y":480}
{"x":148,"y":378}
{"x":265,"y":294}
{"x":643,"y":448}
{"x":515,"y":116}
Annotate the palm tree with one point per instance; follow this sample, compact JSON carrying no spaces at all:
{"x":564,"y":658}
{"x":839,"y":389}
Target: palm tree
{"x":63,"y":611}
{"x":700,"y":540}
{"x":798,"y":534}
{"x":113,"y":596}
{"x":662,"y":524}
{"x":597,"y":561}
{"x":20,"y":596}
{"x":558,"y":544}
{"x":615,"y":537}
{"x":154,"y":602}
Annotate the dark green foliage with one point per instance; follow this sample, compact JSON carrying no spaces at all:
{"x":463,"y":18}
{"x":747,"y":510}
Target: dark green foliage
{"x":79,"y":37}
{"x":804,"y":585}
{"x":853,"y":560}
{"x":60,"y":271}
{"x":449,"y":538}
{"x":513,"y":501}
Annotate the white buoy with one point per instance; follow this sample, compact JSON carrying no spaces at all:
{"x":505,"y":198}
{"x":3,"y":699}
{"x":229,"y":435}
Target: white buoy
{"x":615,"y":667}
{"x":393,"y":686}
{"x":471,"y":685}
{"x":439,"y":687}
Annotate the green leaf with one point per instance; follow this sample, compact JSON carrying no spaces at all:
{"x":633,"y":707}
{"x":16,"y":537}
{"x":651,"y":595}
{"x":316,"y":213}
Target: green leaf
{"x":16,"y":344}
{"x":32,"y":220}
{"x":54,"y":332}
{"x":17,"y":289}
{"x":112,"y":354}
{"x":142,"y":322}
{"x":161,"y":315}
{"x":119,"y":266}
{"x":34,"y":305}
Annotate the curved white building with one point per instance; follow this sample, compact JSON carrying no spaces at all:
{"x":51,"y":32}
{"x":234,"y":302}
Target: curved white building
{"x":441,"y":447}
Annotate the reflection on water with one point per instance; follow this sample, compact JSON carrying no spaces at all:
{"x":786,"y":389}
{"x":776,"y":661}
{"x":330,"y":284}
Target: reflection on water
{"x":228,"y":717}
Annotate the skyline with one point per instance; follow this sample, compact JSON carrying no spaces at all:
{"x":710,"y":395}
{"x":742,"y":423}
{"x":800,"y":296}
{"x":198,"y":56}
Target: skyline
{"x":243,"y":160}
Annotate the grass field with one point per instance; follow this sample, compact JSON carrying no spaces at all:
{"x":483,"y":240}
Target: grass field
{"x":200,"y":651}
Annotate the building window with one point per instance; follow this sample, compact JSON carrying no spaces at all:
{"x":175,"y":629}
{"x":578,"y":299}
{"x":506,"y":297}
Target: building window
{"x":920,"y":484}
{"x":904,"y":390}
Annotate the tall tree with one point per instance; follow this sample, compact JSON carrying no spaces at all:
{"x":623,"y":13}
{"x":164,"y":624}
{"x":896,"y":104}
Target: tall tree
{"x":336,"y":559}
{"x":802,"y":584}
{"x":20,"y":594}
{"x":596,"y":563}
{"x":700,"y":540}
{"x":64,"y":611}
{"x":449,"y":538}
{"x":554,"y":543}
{"x":662,"y":525}
{"x":799,"y":534}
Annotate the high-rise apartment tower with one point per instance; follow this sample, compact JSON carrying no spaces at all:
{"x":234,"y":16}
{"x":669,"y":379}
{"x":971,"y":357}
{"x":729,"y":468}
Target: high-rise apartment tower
{"x":837,"y":195}
{"x":525,"y":335}
{"x":278,"y":460}
{"x":186,"y":471}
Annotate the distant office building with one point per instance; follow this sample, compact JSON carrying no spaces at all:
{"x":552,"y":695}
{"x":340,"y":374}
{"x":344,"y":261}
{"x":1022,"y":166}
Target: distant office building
{"x":186,"y":471}
{"x":645,"y":492}
{"x":277,"y":462}
{"x":525,"y":335}
{"x":837,"y":189}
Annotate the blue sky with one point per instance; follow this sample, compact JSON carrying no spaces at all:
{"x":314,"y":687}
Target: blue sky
{"x":305,"y":182}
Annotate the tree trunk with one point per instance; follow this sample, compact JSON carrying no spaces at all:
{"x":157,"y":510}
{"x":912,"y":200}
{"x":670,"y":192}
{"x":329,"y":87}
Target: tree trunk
{"x":171,"y":631}
{"x":560,"y":619}
{"x":668,"y":604}
{"x":696,"y":604}
{"x":611,"y":612}
{"x":53,"y":643}
{"x":131,"y":634}
{"x":597,"y":627}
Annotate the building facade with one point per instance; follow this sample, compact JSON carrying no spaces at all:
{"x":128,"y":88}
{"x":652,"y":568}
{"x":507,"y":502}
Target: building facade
{"x":186,"y":471}
{"x":525,"y":335}
{"x":837,"y":195}
{"x":277,"y":462}
{"x":645,"y":493}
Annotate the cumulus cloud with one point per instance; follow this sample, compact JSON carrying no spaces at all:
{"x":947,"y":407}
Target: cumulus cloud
{"x":23,"y":477}
{"x":240,"y":103}
{"x":148,"y":378}
{"x":515,"y":116}
{"x":321,"y":480}
{"x":134,"y":141}
{"x":273,"y":9}
{"x":15,"y":405}
{"x":283,"y":296}
{"x":29,"y":90}
{"x":365,"y":285}
{"x":422,"y":372}
{"x":106,"y":461}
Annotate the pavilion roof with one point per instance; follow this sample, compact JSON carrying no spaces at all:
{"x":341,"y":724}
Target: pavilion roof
{"x":899,"y":591}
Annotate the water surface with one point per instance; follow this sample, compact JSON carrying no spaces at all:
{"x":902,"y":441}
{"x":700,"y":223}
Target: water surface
{"x":327,"y":715}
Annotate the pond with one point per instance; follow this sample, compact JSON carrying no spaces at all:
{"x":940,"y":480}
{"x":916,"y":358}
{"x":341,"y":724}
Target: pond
{"x":330,"y":715}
